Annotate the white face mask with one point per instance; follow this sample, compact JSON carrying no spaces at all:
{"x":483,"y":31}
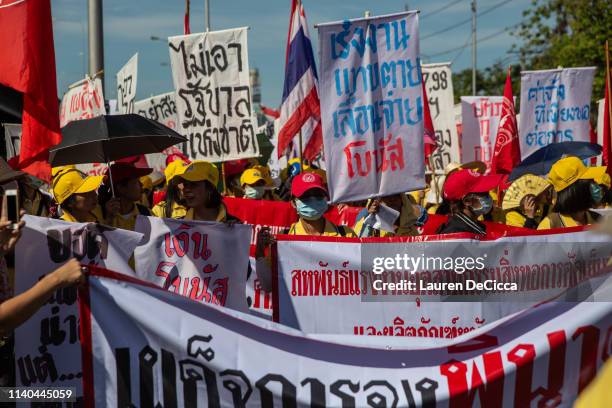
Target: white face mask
{"x":254,"y":192}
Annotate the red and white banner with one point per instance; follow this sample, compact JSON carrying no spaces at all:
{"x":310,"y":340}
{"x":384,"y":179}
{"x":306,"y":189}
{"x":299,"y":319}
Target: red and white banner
{"x":316,"y":275}
{"x":47,"y":351}
{"x":205,"y":261}
{"x":143,"y":346}
{"x":82,"y":101}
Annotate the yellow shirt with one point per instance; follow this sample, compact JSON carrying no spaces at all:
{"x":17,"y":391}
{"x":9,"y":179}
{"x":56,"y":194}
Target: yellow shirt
{"x":126,"y":221}
{"x":96,"y":216}
{"x":331,"y":230}
{"x":221,"y":215}
{"x":597,"y":394}
{"x":178,"y":211}
{"x":566,"y":220}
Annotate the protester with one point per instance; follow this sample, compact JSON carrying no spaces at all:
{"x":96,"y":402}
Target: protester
{"x":122,"y":209}
{"x":232,"y":170}
{"x":605,"y":183}
{"x":172,"y":204}
{"x":444,"y":206}
{"x":269,"y":193}
{"x":577,"y":192}
{"x":16,"y":310}
{"x":405,"y":225}
{"x":76,"y":195}
{"x":527,"y":201}
{"x":203,"y":201}
{"x":467,"y":192}
{"x":253,"y":184}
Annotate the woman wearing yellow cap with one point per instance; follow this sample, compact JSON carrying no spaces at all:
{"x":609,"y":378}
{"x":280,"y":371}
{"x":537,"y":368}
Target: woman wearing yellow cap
{"x":576,"y":194}
{"x":253,"y":183}
{"x":605,"y":183}
{"x":172,"y":206}
{"x":203,"y":201}
{"x":76,"y":194}
{"x":527,"y":201}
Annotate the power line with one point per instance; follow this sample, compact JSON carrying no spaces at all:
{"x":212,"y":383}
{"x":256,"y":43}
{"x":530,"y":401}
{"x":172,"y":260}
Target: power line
{"x":463,"y":22}
{"x":488,"y":37}
{"x":443,"y":8}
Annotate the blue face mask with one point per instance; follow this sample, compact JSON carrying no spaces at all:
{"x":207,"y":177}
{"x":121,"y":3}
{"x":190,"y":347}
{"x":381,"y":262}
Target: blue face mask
{"x":596,"y":193}
{"x":486,"y":205}
{"x":311,"y":208}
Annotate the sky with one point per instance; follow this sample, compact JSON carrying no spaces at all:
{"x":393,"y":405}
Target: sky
{"x":129,"y":25}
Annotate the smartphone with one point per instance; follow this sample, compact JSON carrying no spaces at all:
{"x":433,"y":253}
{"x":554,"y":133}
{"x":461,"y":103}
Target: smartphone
{"x":12,"y":206}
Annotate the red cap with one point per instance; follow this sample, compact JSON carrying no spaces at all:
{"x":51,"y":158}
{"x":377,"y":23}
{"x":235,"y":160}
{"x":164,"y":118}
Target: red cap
{"x":123,"y":171}
{"x":307,"y":181}
{"x":233,"y":167}
{"x":466,"y":181}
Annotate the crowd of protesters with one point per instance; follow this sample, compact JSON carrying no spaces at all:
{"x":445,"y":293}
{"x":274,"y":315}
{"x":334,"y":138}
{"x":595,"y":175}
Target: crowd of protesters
{"x":465,"y":193}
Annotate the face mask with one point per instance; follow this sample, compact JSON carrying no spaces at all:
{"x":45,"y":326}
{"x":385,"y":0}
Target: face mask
{"x":486,"y":204}
{"x":311,"y":208}
{"x":255,"y":192}
{"x":596,"y":193}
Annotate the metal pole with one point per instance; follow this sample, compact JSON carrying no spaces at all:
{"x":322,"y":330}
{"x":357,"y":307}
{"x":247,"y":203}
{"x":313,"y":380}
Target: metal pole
{"x":207,"y":14}
{"x":96,"y":39}
{"x":301,"y":153}
{"x":609,"y":89}
{"x":473,"y":47}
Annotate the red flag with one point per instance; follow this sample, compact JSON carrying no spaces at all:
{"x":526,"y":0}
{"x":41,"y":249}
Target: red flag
{"x":186,"y":29}
{"x":607,"y":133}
{"x":27,"y":64}
{"x":429,"y":137}
{"x":507,"y":151}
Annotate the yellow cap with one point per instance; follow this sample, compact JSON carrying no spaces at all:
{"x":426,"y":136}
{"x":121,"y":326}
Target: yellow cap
{"x":251,"y":176}
{"x":265,"y":173}
{"x":199,"y":170}
{"x":568,"y":170}
{"x":604,"y":179}
{"x":146,"y":182}
{"x":171,"y":169}
{"x":57,"y":170}
{"x":72,"y":182}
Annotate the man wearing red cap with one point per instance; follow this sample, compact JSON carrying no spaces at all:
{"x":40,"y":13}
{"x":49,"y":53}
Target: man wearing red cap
{"x":309,"y":198}
{"x":122,"y":209}
{"x":468,"y":193}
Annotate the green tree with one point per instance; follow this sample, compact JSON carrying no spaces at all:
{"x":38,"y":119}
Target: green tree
{"x":490,"y":81}
{"x":567,"y":33}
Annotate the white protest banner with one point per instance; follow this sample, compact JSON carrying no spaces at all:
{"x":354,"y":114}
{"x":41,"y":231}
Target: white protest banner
{"x":600,"y":129}
{"x":161,"y":108}
{"x":84,"y":100}
{"x":316,"y":275}
{"x":147,"y":347}
{"x":555,"y":107}
{"x":213,"y":95}
{"x":439,"y":84}
{"x":372,"y":106}
{"x":12,"y":137}
{"x":47,"y":350}
{"x":127,"y":80}
{"x":480,"y":119}
{"x":205,"y":261}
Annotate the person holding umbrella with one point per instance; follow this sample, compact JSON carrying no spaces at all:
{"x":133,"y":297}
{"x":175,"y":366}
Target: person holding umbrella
{"x":577,"y":192}
{"x":121,"y":210}
{"x":527,"y":201}
{"x":467,"y":193}
{"x":76,"y":195}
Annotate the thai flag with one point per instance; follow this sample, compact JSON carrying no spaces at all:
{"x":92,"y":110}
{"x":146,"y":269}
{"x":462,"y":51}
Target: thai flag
{"x":300,"y":105}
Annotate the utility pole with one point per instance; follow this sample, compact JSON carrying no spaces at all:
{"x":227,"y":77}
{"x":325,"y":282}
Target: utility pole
{"x":207,"y":14}
{"x":474,"y":47}
{"x":96,"y":40}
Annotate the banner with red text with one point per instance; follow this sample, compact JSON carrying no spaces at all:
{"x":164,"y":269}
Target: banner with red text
{"x":372,"y":106}
{"x":83,"y":100}
{"x":480,"y":119}
{"x":315,"y":275}
{"x":47,"y":348}
{"x":205,"y":261}
{"x":192,"y":355}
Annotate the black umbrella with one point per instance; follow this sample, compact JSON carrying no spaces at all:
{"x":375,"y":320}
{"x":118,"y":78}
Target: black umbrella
{"x":540,"y":161}
{"x":111,"y":137}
